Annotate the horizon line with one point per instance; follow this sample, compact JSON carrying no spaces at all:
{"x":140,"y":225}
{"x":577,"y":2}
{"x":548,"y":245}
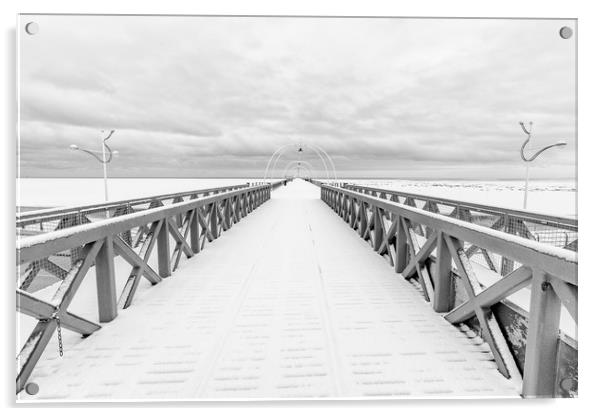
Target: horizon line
{"x":261,"y":177}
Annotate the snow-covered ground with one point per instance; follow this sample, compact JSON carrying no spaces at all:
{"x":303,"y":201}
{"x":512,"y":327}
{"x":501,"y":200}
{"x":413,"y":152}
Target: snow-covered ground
{"x":554,"y":197}
{"x":558,"y":197}
{"x":52,"y":192}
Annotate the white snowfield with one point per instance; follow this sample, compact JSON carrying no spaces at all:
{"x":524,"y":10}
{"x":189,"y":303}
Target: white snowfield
{"x":289,"y":303}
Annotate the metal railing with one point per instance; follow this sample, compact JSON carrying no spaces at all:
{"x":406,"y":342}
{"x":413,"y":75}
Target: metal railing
{"x":548,"y":229}
{"x":278,"y":184}
{"x":439,"y":257}
{"x":51,"y":219}
{"x":55,"y":267}
{"x":179,"y":228}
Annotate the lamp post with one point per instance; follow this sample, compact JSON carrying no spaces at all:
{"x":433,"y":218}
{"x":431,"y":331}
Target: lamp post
{"x":300,"y":147}
{"x":298,"y":164}
{"x":105,"y":160}
{"x":527,"y":160}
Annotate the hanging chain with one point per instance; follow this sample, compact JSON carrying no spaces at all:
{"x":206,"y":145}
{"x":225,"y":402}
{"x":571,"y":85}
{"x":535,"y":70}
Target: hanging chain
{"x":58,"y":332}
{"x":60,"y":335}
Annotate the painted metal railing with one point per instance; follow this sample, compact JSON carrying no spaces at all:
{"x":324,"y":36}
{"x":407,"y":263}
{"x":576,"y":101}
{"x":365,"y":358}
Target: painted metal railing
{"x":51,"y":219}
{"x":549,"y":229}
{"x":175,"y":229}
{"x":279,"y":183}
{"x":55,"y":268}
{"x":440,"y":257}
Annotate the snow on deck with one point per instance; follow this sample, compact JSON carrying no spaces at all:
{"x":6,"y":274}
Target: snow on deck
{"x":290,"y":302}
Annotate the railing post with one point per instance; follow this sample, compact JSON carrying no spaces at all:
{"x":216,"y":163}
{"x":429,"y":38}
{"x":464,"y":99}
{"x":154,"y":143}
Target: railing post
{"x":179,"y":219}
{"x":163,"y":254}
{"x":213,"y":220}
{"x":401,"y":246}
{"x":378,"y":229}
{"x":243,"y":205}
{"x":363,"y":219}
{"x":105,"y":282}
{"x":444,"y":289}
{"x":507,"y":264}
{"x":542,"y":338}
{"x":227,"y":214}
{"x":194,"y":232}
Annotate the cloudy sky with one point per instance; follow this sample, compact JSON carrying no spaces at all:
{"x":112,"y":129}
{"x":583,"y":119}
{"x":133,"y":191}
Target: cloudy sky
{"x":214,"y":97}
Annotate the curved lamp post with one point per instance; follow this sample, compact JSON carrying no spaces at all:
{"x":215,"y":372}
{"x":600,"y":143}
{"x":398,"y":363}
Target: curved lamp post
{"x":104,"y":159}
{"x":334,"y":170}
{"x":304,"y":167}
{"x":299,"y":148}
{"x":318,"y":150}
{"x":298,"y":164}
{"x":527,"y":160}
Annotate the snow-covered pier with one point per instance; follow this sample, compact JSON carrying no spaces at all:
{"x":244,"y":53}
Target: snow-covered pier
{"x":289,"y":302}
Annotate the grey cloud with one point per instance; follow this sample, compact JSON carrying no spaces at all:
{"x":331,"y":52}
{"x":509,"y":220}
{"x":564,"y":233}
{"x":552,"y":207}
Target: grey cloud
{"x":192,"y":96}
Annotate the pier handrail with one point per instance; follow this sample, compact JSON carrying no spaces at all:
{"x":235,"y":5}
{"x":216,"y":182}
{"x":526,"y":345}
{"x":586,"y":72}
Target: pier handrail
{"x":50,"y":214}
{"x":543,"y":219}
{"x":392,"y":230}
{"x":98,"y":243}
{"x":279,"y":183}
{"x":549,"y":229}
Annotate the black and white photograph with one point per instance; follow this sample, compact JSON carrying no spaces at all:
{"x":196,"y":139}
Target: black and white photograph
{"x":289,"y":208}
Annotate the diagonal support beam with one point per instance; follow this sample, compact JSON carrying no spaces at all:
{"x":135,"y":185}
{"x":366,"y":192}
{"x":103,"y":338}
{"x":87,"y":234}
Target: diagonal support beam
{"x":40,"y":309}
{"x":32,"y":350}
{"x":181,"y":243}
{"x":422,"y":255}
{"x":424,"y":277}
{"x":131,"y":285}
{"x":390,"y":236}
{"x":568,"y":296}
{"x":134,"y":260}
{"x":489,"y":326}
{"x":39,"y":338}
{"x":501,"y":289}
{"x":206,"y":229}
{"x":180,"y":239}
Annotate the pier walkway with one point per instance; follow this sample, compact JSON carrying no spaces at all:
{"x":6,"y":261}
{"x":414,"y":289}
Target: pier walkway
{"x":289,"y":303}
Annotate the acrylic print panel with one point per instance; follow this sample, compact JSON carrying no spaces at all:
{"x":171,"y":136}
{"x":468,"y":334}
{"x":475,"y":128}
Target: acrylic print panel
{"x":215,"y":208}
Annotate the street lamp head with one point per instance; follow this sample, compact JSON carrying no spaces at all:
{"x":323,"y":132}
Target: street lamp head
{"x":561,"y":143}
{"x":74,"y":147}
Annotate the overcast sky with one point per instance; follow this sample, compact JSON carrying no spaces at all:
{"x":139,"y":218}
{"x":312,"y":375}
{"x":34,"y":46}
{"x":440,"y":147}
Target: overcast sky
{"x":214,"y":97}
